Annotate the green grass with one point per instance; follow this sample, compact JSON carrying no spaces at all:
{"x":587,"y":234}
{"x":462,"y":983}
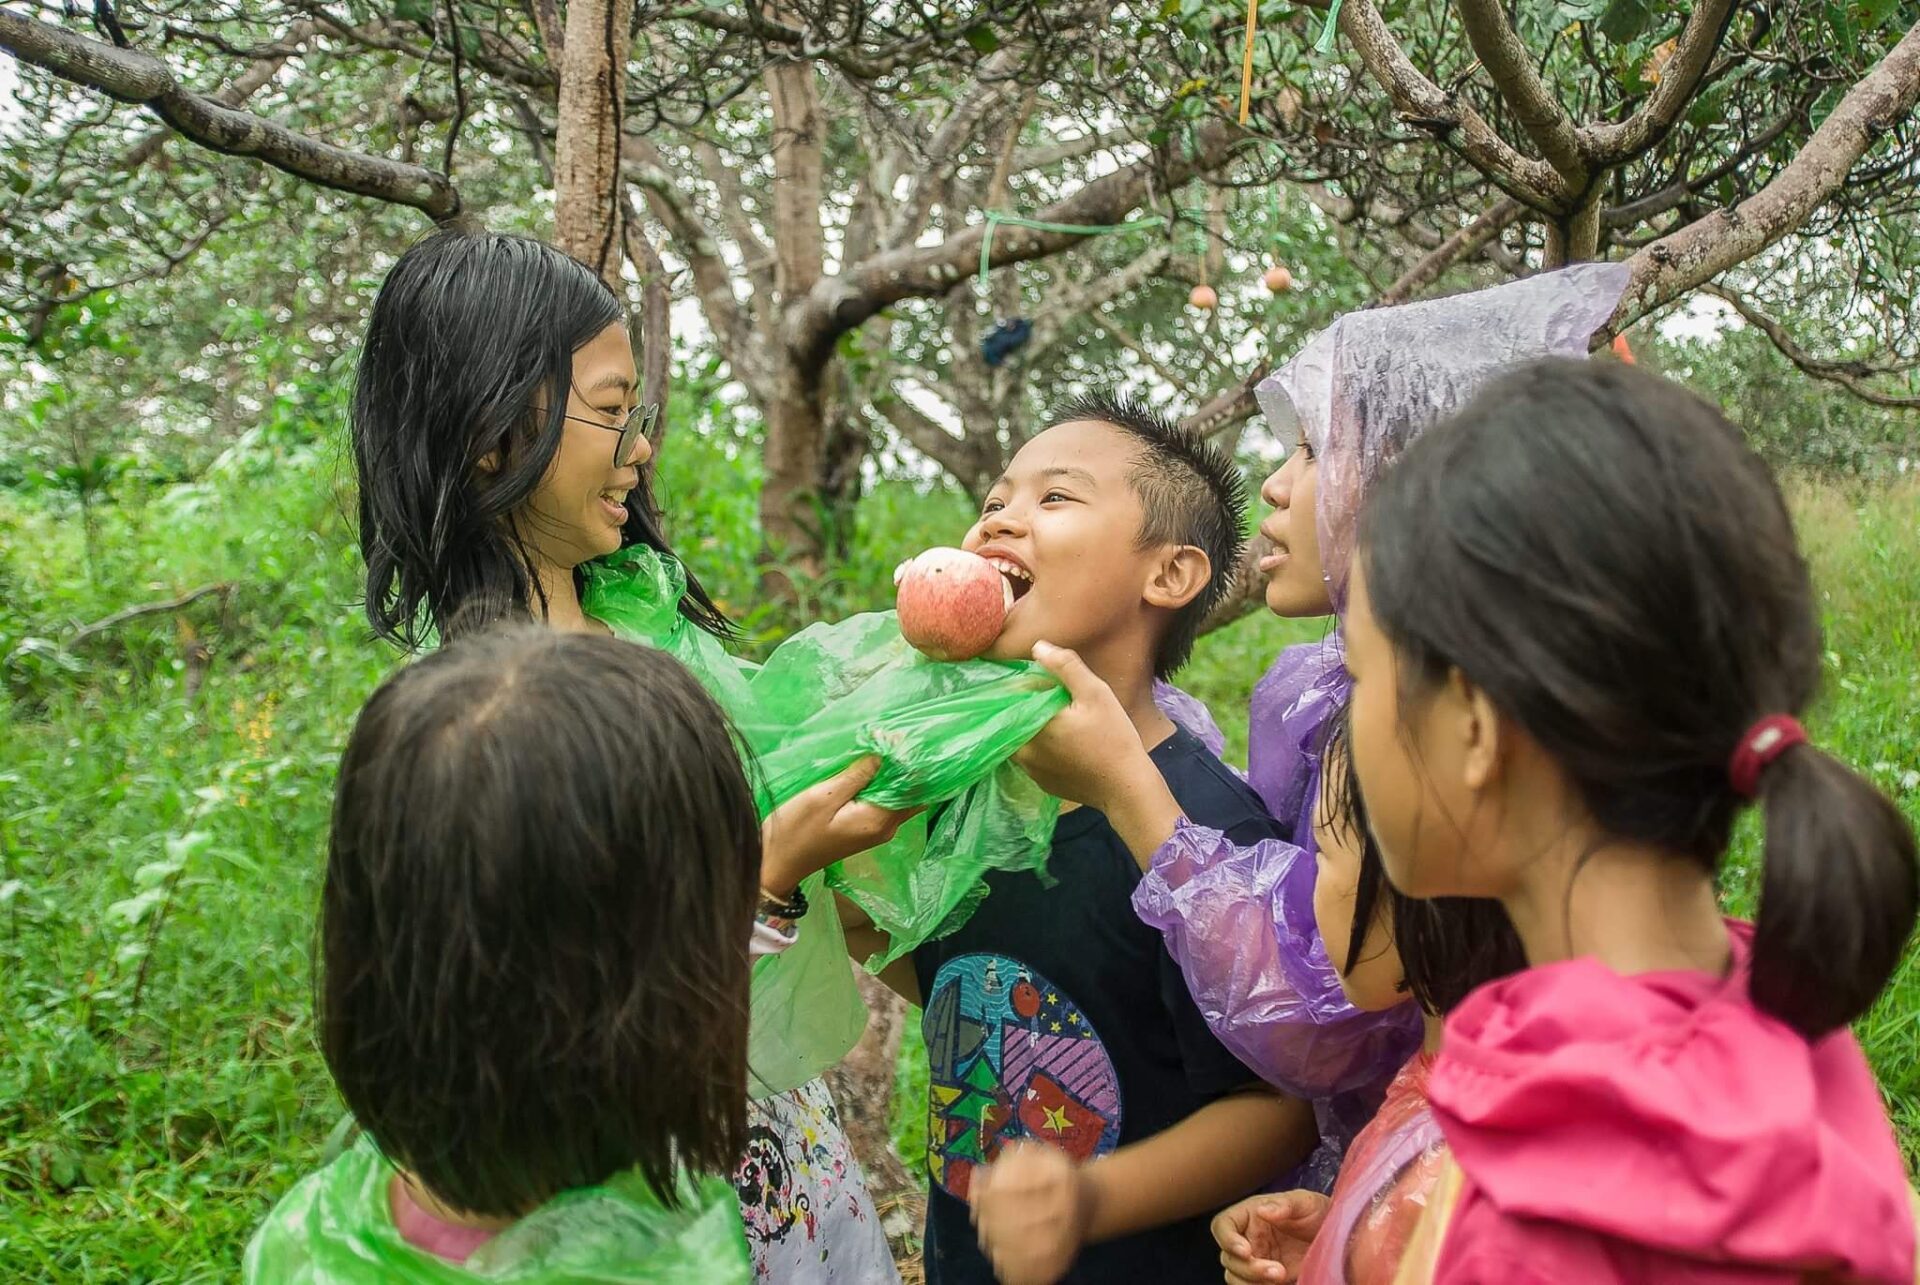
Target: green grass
{"x":160,"y":848}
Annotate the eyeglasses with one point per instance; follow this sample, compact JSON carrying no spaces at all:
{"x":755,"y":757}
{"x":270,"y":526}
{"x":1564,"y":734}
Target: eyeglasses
{"x":638,"y":423}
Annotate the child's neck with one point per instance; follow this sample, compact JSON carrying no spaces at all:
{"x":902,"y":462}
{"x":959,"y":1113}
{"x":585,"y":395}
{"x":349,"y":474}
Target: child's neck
{"x":434,"y":1207}
{"x":1634,"y":907}
{"x":563,"y":600}
{"x":1432,"y":1027}
{"x":1131,"y":678}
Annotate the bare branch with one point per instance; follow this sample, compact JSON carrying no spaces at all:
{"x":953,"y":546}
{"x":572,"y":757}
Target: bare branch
{"x":656,"y":339}
{"x":645,"y":168}
{"x":1067,"y":306}
{"x":927,"y":437}
{"x":1071,"y":149}
{"x":977,"y":106}
{"x":134,"y":77}
{"x":1126,"y":339}
{"x":1850,"y":375}
{"x":1464,"y":244}
{"x":1705,"y":248}
{"x":1225,"y":410}
{"x":1679,"y":81}
{"x":757,"y":256}
{"x":839,"y":303}
{"x":1510,"y":63}
{"x":1675,"y":194}
{"x":1424,"y":104}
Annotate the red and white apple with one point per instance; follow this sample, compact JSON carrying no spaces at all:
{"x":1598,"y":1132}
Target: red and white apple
{"x":952,"y":603}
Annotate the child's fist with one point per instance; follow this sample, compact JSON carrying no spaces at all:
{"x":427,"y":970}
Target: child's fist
{"x":1031,"y":1208}
{"x":1264,"y":1239}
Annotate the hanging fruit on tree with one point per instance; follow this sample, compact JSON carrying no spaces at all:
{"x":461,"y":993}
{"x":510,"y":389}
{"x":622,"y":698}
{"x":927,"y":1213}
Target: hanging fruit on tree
{"x":1278,"y":279}
{"x":1205,"y":298}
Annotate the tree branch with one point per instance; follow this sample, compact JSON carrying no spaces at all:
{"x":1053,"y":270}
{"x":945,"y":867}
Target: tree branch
{"x":1675,"y":194}
{"x":1067,"y":306}
{"x":656,"y":338}
{"x":1679,"y":80}
{"x":1510,"y":63}
{"x":130,"y":76}
{"x":1424,"y":104}
{"x":1705,"y":248}
{"x":1464,"y":244}
{"x":645,"y":169}
{"x":1850,"y":375}
{"x":839,"y":303}
{"x":1126,"y":339}
{"x":1040,"y":158}
{"x":927,"y":437}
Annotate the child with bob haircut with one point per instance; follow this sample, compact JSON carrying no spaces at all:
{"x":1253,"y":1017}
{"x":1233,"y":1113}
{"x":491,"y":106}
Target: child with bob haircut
{"x":504,"y":454}
{"x":533,"y":976}
{"x":1581,"y":636}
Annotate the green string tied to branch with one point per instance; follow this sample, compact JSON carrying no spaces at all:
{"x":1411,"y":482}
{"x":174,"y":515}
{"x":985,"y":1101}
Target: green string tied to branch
{"x":995,"y":219}
{"x":1324,"y":45}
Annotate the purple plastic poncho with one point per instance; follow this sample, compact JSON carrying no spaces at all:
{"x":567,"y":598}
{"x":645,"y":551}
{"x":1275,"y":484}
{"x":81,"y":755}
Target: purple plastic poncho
{"x":1239,"y":921}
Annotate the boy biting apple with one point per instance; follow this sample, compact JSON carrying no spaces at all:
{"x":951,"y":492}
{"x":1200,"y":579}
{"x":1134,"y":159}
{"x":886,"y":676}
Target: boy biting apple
{"x":1081,"y":1114}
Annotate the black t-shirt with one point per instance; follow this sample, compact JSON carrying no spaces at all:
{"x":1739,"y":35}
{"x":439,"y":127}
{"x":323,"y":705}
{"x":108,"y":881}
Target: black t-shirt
{"x":1055,"y":1015}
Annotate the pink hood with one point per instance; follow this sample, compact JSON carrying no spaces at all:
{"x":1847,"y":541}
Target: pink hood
{"x":1662,"y":1123}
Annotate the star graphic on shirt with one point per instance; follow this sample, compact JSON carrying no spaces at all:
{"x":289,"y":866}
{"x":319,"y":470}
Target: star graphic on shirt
{"x":1056,"y":1028}
{"x":1074,"y":1018}
{"x":1056,"y":1119}
{"x":1052,"y":998}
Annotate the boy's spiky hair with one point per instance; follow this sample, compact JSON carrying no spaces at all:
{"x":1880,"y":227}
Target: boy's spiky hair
{"x":1192,"y":493}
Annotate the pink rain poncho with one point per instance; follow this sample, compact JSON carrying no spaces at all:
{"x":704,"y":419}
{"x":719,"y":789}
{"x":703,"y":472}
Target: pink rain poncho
{"x":1239,"y":921}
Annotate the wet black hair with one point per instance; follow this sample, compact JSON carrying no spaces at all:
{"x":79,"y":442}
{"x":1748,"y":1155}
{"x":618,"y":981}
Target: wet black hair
{"x":1600,"y":552}
{"x":533,"y":934}
{"x":470,"y":331}
{"x":1192,"y":493}
{"x":1448,"y":946}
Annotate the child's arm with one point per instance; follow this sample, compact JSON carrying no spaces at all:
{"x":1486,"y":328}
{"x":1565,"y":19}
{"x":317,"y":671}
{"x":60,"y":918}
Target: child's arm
{"x":822,"y":825}
{"x":1035,"y":1208}
{"x":864,"y":941}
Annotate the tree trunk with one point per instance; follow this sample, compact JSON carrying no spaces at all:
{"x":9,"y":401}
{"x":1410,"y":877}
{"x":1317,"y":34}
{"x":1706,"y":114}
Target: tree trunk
{"x":586,"y":165}
{"x":862,"y":1086}
{"x":790,"y":526}
{"x":795,"y":448}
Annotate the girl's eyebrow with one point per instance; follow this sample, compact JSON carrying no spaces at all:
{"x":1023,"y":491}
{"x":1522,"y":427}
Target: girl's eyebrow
{"x":1079,"y":475}
{"x":613,"y":379}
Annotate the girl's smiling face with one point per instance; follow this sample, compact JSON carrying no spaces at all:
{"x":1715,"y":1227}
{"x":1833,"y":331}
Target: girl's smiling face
{"x":1296,"y":580}
{"x":577,"y":512}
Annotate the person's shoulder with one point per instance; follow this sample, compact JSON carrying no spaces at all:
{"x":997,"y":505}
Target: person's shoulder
{"x":1212,"y":794}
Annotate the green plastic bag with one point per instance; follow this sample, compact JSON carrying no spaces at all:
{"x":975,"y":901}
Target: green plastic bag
{"x":335,"y":1227}
{"x":824,"y":699}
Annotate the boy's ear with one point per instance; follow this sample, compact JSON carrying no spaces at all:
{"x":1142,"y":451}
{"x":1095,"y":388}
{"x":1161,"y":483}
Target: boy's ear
{"x":1179,"y":577}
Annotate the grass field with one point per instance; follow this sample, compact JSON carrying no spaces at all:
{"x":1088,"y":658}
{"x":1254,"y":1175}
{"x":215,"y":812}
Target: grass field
{"x":162,"y":826}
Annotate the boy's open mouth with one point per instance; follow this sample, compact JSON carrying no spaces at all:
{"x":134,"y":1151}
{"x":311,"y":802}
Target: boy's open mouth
{"x":1018,"y":578}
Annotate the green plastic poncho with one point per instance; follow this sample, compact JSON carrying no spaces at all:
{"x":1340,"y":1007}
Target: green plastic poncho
{"x":335,"y":1227}
{"x":826,"y":698}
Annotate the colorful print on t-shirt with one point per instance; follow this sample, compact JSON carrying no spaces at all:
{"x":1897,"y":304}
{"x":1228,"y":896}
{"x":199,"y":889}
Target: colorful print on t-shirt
{"x":1011,"y":1057}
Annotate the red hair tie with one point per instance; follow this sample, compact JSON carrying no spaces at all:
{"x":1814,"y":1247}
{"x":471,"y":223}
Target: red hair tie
{"x":1764,"y":742}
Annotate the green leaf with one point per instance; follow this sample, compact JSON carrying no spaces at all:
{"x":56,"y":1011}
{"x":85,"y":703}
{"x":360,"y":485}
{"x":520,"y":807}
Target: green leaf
{"x":413,"y":10}
{"x":155,"y":873}
{"x":182,"y":847}
{"x":982,"y":39}
{"x":133,"y":911}
{"x":1625,"y":20}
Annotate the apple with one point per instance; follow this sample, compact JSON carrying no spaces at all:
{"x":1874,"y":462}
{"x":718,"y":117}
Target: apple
{"x":1204,"y":298}
{"x":952,"y":603}
{"x":1278,"y":279}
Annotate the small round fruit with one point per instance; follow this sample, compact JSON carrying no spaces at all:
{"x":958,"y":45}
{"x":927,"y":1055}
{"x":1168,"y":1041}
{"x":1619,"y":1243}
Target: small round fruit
{"x":1204,"y":298}
{"x":952,"y":604}
{"x":1278,"y":279}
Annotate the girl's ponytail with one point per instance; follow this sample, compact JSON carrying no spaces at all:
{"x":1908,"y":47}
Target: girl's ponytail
{"x":1840,"y":889}
{"x":1603,"y":555}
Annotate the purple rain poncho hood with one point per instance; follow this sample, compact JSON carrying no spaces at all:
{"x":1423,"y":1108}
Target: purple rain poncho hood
{"x":1239,"y":921}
